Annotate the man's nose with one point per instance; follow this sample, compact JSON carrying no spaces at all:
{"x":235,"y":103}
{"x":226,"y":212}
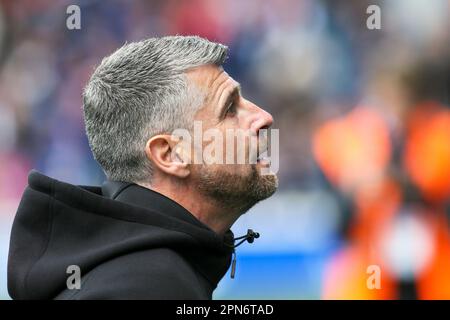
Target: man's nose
{"x":262,"y":119}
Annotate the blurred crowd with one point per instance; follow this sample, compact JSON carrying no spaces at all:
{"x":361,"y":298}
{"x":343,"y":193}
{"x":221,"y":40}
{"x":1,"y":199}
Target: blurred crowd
{"x":363,"y":114}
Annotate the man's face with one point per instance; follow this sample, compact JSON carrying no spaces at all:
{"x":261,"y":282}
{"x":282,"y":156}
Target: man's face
{"x":235,"y":184}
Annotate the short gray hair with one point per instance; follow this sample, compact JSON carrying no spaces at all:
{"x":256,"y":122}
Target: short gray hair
{"x":139,"y":91}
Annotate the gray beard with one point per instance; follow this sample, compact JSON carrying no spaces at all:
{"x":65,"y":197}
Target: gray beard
{"x":234,"y":191}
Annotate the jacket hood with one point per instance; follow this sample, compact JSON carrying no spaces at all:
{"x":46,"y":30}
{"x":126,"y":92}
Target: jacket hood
{"x":58,"y":224}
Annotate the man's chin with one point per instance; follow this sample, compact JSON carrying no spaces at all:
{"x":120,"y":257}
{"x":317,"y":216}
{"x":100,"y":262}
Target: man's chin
{"x":267,"y":183}
{"x":238,"y":190}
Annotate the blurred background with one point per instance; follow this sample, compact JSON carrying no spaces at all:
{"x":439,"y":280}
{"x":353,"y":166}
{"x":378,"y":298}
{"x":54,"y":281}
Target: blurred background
{"x":364,"y":123}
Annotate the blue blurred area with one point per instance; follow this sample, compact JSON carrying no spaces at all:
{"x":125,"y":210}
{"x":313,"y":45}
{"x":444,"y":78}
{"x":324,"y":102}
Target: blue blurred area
{"x":288,"y":260}
{"x":275,"y":276}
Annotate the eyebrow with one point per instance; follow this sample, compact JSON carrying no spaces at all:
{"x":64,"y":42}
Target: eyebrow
{"x":234,"y":93}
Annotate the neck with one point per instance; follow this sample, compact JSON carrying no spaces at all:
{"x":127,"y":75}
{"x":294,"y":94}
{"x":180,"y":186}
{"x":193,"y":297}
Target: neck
{"x":209,"y":212}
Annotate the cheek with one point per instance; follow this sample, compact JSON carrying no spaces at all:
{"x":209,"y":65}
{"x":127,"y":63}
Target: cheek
{"x":233,"y":169}
{"x":232,"y":146}
{"x":238,"y":121}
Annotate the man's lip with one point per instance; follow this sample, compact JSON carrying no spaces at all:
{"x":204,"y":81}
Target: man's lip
{"x":263,"y":161}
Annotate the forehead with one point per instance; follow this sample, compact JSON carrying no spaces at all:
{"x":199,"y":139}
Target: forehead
{"x":210,"y":77}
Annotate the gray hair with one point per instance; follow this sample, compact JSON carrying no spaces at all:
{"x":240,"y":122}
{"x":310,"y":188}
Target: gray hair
{"x":139,"y":91}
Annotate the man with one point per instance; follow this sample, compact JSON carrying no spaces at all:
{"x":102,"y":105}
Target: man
{"x":159,"y":227}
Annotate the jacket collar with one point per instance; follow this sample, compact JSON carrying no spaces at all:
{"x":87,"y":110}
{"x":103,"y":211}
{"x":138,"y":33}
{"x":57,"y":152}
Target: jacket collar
{"x":212,"y":267}
{"x":137,"y":195}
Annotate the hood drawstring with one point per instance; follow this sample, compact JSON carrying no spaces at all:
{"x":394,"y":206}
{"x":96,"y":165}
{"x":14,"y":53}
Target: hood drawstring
{"x":250,"y":238}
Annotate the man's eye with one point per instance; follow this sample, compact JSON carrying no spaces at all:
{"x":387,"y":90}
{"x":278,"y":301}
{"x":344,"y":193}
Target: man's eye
{"x":231,"y":110}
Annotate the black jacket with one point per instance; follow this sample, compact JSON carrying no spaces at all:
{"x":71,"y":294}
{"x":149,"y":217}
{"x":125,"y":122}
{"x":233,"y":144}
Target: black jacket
{"x":128,"y":241}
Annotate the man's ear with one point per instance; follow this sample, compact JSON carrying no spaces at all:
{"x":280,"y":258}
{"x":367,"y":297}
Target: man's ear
{"x":164,"y":153}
